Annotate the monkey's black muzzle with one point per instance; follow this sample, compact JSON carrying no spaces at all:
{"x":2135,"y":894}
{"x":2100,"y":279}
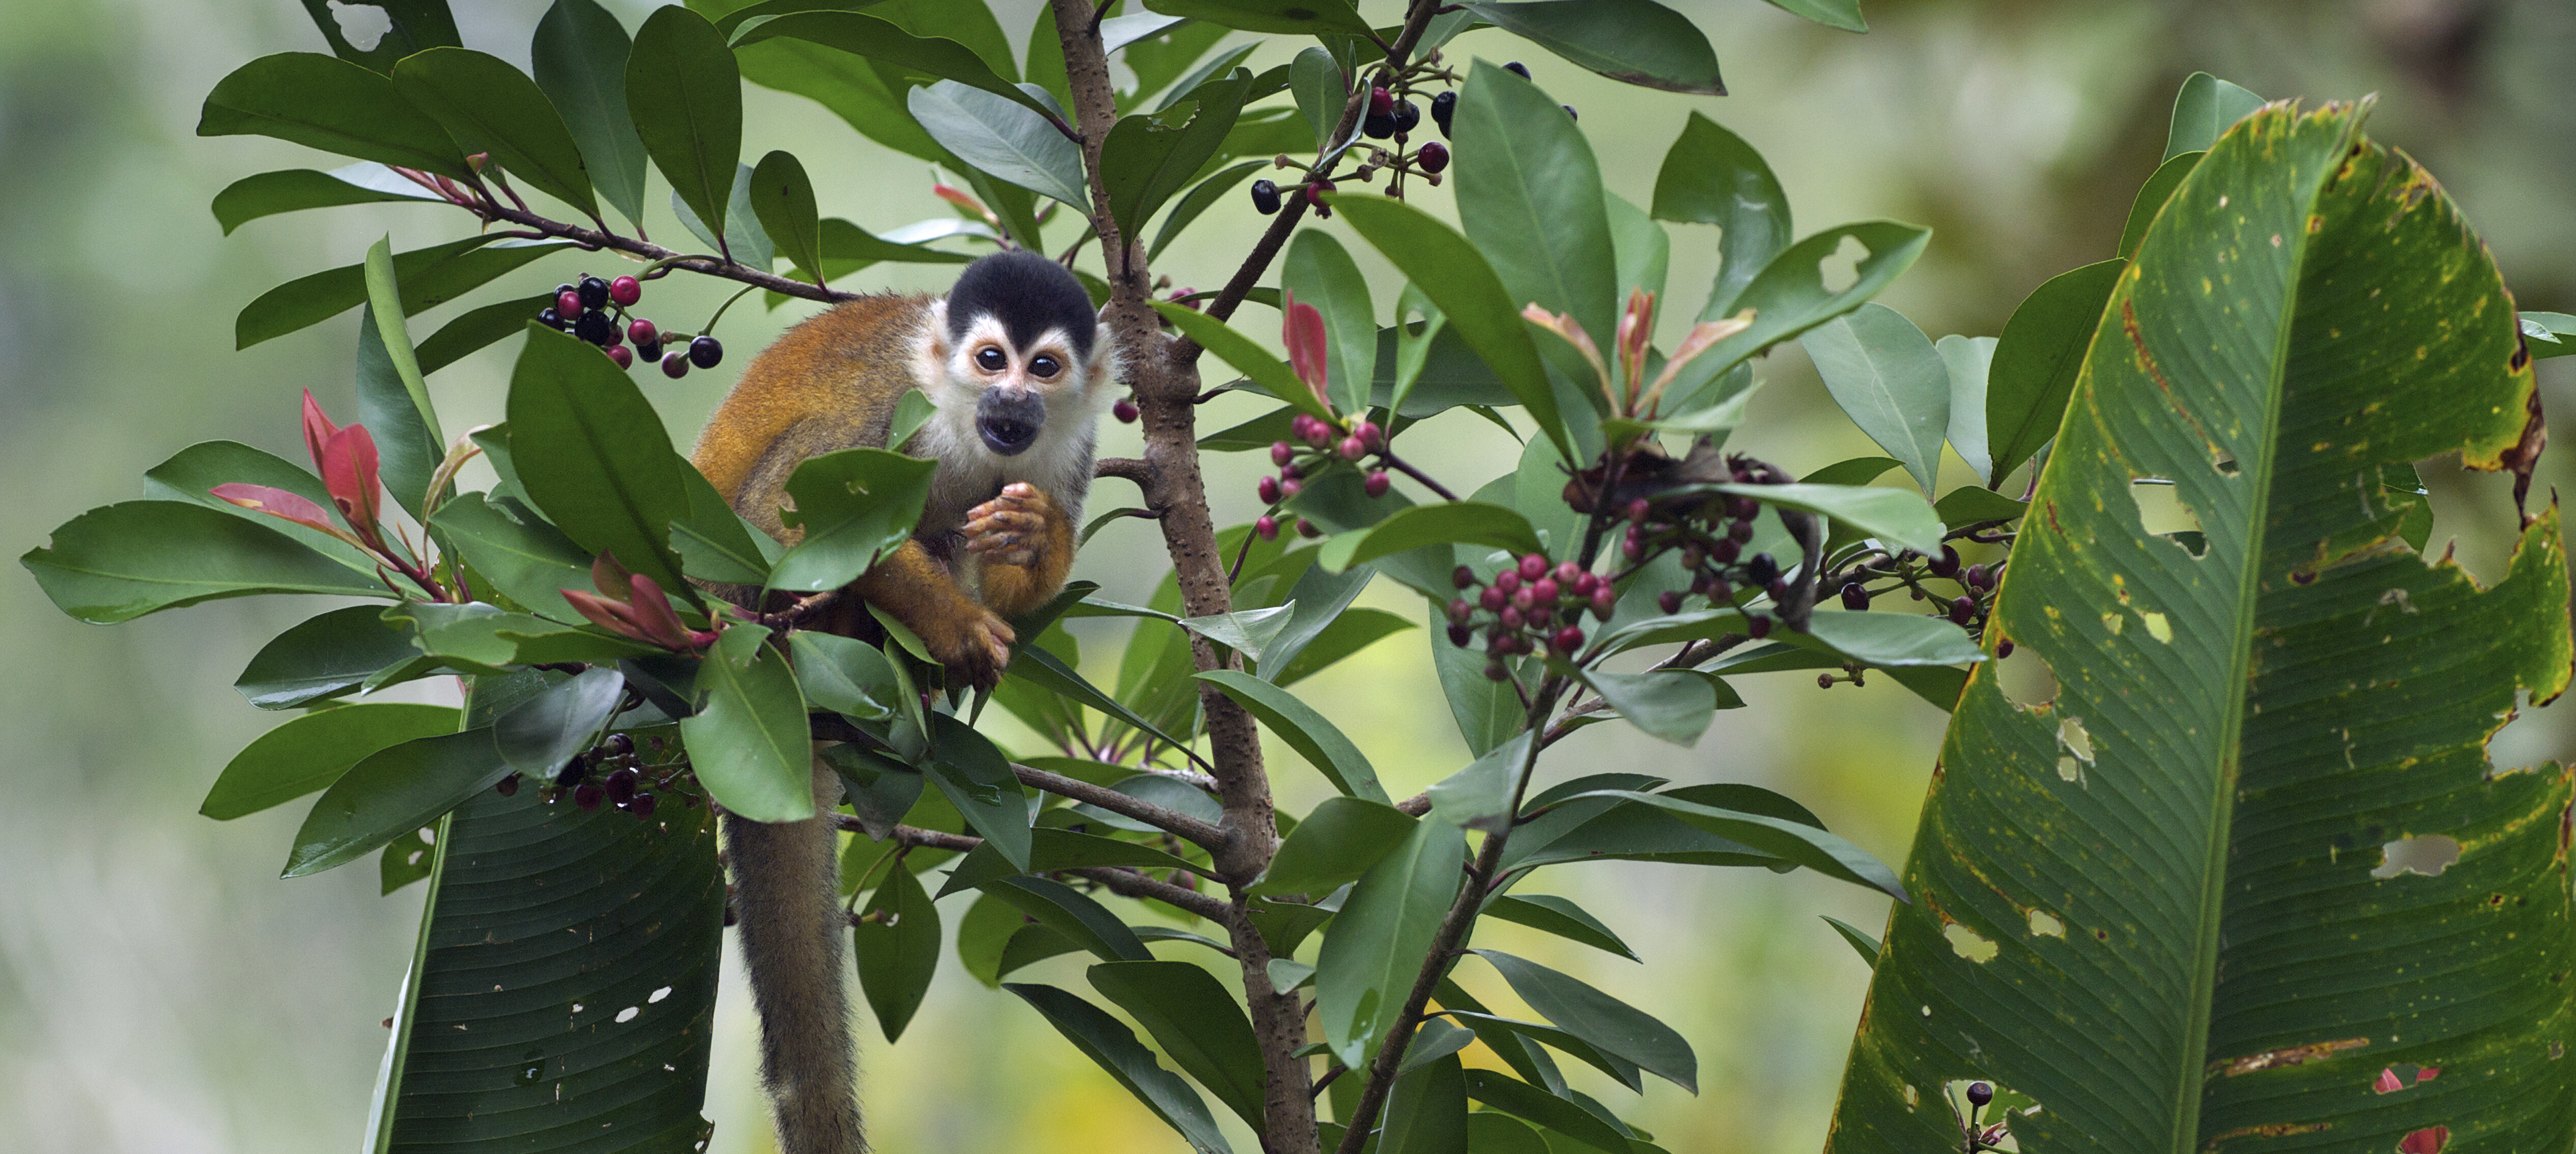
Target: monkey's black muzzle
{"x":1009,"y":420}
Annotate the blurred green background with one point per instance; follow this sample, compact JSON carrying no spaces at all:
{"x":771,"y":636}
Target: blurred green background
{"x":161,"y":990}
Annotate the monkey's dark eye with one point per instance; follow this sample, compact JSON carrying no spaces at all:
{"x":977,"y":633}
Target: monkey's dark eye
{"x":1044,"y":367}
{"x":991,"y":359}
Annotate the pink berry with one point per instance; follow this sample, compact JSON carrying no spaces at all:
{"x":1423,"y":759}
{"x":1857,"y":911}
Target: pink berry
{"x":1493,"y":598}
{"x":1540,"y":616}
{"x":1291,"y":486}
{"x":1544,"y":589}
{"x":1567,"y":572}
{"x":1318,"y":433}
{"x":568,"y":304}
{"x":1460,"y":611}
{"x":1267,"y":527}
{"x":1369,"y":434}
{"x":675,"y":364}
{"x":1637,"y":511}
{"x":1585,"y":584}
{"x":1306,"y":528}
{"x":1513,"y":618}
{"x":1352,"y":448}
{"x":1269,"y":490}
{"x":639,"y":330}
{"x":1281,"y":453}
{"x":1632,"y":549}
{"x":1604,"y":602}
{"x":1381,"y":102}
{"x":1124,"y":410}
{"x":1533,"y":567}
{"x":1289,"y":473}
{"x":625,"y":290}
{"x":1568,"y":639}
{"x":1669,"y":601}
{"x":1463,"y":577}
{"x":1507,"y":580}
{"x":1377,"y":483}
{"x":1522,"y":599}
{"x":625,"y":357}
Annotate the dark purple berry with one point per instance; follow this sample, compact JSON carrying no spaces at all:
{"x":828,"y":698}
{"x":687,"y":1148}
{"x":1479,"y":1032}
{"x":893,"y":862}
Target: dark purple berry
{"x":1378,"y":125}
{"x":1978,"y":578}
{"x":1433,"y":157}
{"x":1376,"y":483}
{"x":1509,"y":580}
{"x":625,"y":290}
{"x":508,"y":786}
{"x":561,"y":289}
{"x":1461,"y":636}
{"x":595,"y":328}
{"x":1496,"y":671}
{"x":1281,"y":453}
{"x":1268,"y":490}
{"x":642,"y":806}
{"x":1493,"y":598}
{"x":586,"y":796}
{"x":625,"y":357}
{"x":649,"y":353}
{"x":1669,"y":601}
{"x":1408,"y":116}
{"x":1979,"y":1094}
{"x":1540,"y":616}
{"x":1570,"y":113}
{"x":572,"y":772}
{"x":1740,"y":531}
{"x":2003,"y":649}
{"x":1945,"y":565}
{"x":1267,"y":527}
{"x":1463,"y":577}
{"x":1124,"y":410}
{"x":1824,"y":681}
{"x":594,"y":293}
{"x":706,"y":352}
{"x":1758,"y":628}
{"x":1725,"y":551}
{"x":1963,"y":610}
{"x":1265,"y":197}
{"x":1517,"y":66}
{"x":1459,"y":611}
{"x":1513,"y":618}
{"x":1568,"y":639}
{"x":1855,"y":598}
{"x":1381,"y":102}
{"x":675,"y":364}
{"x":1443,"y":107}
{"x":1604,"y":602}
{"x":1637,"y":511}
{"x":1761,"y":569}
{"x":621,"y":785}
{"x":620,"y":745}
{"x":552,"y":319}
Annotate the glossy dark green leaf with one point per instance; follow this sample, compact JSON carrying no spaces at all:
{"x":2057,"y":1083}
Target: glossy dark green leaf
{"x":748,"y":741}
{"x":579,"y":60}
{"x":1316,"y":82}
{"x":717,"y":544}
{"x":1314,"y":738}
{"x":1969,"y":505}
{"x":850,"y":86}
{"x":1500,"y":1032}
{"x":520,"y":555}
{"x":408,"y":26}
{"x":593,"y":456}
{"x":2203,"y":111}
{"x":783,"y":198}
{"x":311,"y":751}
{"x":326,"y":103}
{"x":624,"y":918}
{"x":1056,"y":850}
{"x":297,"y":189}
{"x":1843,"y":14}
{"x":977,"y":779}
{"x":684,"y":94}
{"x":1487,"y":712}
{"x":1480,"y":795}
{"x":1599,"y":1019}
{"x":1635,"y":41}
{"x":392,"y":792}
{"x":1552,"y":914}
{"x":1049,"y":672}
{"x":744,"y":238}
{"x":1898,"y":517}
{"x":1426,"y":1110}
{"x":119,"y":562}
{"x":1892,"y":639}
{"x":1375,"y":947}
{"x":482,"y":638}
{"x":855,"y":506}
{"x":1074,"y":914}
{"x":905,"y":58}
{"x":1673,"y":705}
{"x":1529,"y":195}
{"x":1197,"y":1023}
{"x":429,"y":276}
{"x":1350,"y":632}
{"x":1520,"y":1099}
{"x":2151,"y":199}
{"x":1889,"y":380}
{"x":192,"y":473}
{"x":1148,"y":159}
{"x":844,"y":675}
{"x":896,"y":944}
{"x":1002,"y":138}
{"x":1493,"y":1133}
{"x":1316,"y":602}
{"x":478,"y":329}
{"x":324,"y":657}
{"x":1320,"y":272}
{"x":1333,"y":845}
{"x":541,"y":734}
{"x":1107,"y":1041}
{"x":1859,"y":940}
{"x":408,"y":445}
{"x":1450,"y":270}
{"x":1789,"y":296}
{"x":1790,"y":840}
{"x":1295,"y":17}
{"x":490,"y":107}
{"x":2037,"y":360}
{"x":1449,"y":522}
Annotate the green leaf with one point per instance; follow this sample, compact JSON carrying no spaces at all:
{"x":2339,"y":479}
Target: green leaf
{"x":1711,"y":176}
{"x":1500,"y":1091}
{"x":1895,"y":516}
{"x":684,"y":94}
{"x":593,"y":456}
{"x":2271,"y":701}
{"x":411,"y":26}
{"x":119,"y":562}
{"x":1644,"y":250}
{"x":324,"y":657}
{"x":408,"y":442}
{"x":844,"y":675}
{"x":390,"y":793}
{"x":1969,"y":505}
{"x":1426,"y":1110}
{"x":1087,"y":923}
{"x":192,"y":473}
{"x":1246,"y":631}
{"x":976,"y":778}
{"x":2203,"y":111}
{"x":1789,"y":296}
{"x":1002,"y":138}
{"x":855,"y":506}
{"x":1148,"y":159}
{"x":1892,"y":639}
{"x":717,"y":544}
{"x":1050,"y":673}
{"x":904,"y":59}
{"x":1450,"y":522}
{"x":2037,"y":359}
{"x":1488,"y":712}
{"x":1055,"y":850}
{"x":748,"y":741}
{"x":1376,"y":944}
{"x":321,"y":102}
{"x":1480,"y":795}
{"x":1321,"y":273}
{"x":1859,"y":940}
{"x":1597,"y":1018}
{"x":541,"y":734}
{"x":429,"y":277}
{"x":1334,"y":845}
{"x":1493,"y":1133}
{"x":490,"y":107}
{"x":1843,"y":14}
{"x":1114,"y":1047}
{"x":1552,"y":914}
{"x":2550,"y":331}
{"x":482,"y":638}
{"x":1449,"y":270}
{"x":1674,"y":705}
{"x":783,"y":198}
{"x":1198,"y":1025}
{"x":1198,"y":200}
{"x":311,"y":751}
{"x":1294,"y":17}
{"x":518,"y":554}
{"x":479,"y":329}
{"x":625,"y":918}
{"x":2151,"y":199}
{"x":1633,"y":41}
{"x":1316,"y":82}
{"x":1888,"y":379}
{"x":1529,"y":195}
{"x":850,"y":86}
{"x":297,"y":189}
{"x":579,"y":60}
{"x":896,"y":943}
{"x":1316,"y":603}
{"x":748,"y":243}
{"x":1967,"y":361}
{"x":1785,"y":838}
{"x":1306,"y":731}
{"x":1350,"y":632}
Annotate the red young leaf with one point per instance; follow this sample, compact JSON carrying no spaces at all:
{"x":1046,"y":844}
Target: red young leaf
{"x":278,"y":503}
{"x":349,"y":473}
{"x":317,"y":429}
{"x":611,"y":578}
{"x":1304,"y":333}
{"x":652,"y":610}
{"x":613,"y":616}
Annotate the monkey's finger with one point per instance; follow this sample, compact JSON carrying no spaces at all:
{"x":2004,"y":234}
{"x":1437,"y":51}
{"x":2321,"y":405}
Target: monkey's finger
{"x":1009,"y":521}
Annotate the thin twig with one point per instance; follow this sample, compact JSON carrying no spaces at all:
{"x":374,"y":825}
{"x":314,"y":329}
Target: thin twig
{"x":1126,"y":882}
{"x":1124,"y":805}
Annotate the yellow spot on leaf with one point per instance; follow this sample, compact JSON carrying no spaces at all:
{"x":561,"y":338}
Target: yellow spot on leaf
{"x":2112,"y":622}
{"x":2045,"y":925}
{"x":2157,"y":626}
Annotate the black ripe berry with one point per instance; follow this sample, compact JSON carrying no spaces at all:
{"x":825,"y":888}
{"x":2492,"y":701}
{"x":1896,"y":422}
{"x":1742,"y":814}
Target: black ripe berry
{"x":1517,"y":66}
{"x":1378,"y":126}
{"x":1963,"y":610}
{"x":1570,"y":113}
{"x":642,"y":806}
{"x":1461,"y":636}
{"x":625,"y":290}
{"x":1433,"y":157}
{"x":595,"y":328}
{"x":675,"y":364}
{"x":551,"y":319}
{"x":1443,"y":107}
{"x":650,"y":352}
{"x":1408,"y":116}
{"x":594,"y":293}
{"x":621,"y":785}
{"x":1265,"y":197}
{"x":508,"y":787}
{"x":586,"y":796}
{"x":1979,"y":1094}
{"x":706,"y":352}
{"x":1760,"y":569}
{"x":620,"y":744}
{"x":572,"y":771}
{"x":1855,"y":598}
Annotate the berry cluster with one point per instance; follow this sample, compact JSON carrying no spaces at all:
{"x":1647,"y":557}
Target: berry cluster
{"x":1392,"y":116}
{"x":1528,"y":604}
{"x":1320,"y":444}
{"x":1710,"y":532}
{"x":595,"y":310}
{"x":612,"y":774}
{"x":1968,"y":609}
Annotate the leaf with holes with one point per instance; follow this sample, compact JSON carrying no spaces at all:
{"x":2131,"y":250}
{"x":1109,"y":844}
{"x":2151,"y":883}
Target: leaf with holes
{"x":2237,"y":735}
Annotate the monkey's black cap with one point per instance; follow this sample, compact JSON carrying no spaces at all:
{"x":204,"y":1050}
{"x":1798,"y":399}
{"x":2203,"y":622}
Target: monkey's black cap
{"x":1029,"y":294}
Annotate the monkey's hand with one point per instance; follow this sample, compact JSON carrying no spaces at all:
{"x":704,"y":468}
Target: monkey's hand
{"x":978,"y":646}
{"x":1011,"y":528}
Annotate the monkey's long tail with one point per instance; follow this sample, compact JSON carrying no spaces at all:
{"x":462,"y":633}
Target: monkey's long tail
{"x":787,"y":901}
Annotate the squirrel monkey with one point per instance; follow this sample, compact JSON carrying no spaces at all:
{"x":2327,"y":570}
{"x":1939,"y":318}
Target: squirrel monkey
{"x":1017,"y":364}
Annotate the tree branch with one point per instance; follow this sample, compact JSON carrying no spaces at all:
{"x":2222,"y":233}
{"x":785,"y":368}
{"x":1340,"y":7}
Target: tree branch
{"x":1169,"y":820}
{"x":1126,"y":882}
{"x":1125,"y":469}
{"x":592,"y":238}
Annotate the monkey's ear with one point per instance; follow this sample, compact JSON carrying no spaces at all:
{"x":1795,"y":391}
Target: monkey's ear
{"x":1104,"y":357}
{"x":935,"y":330}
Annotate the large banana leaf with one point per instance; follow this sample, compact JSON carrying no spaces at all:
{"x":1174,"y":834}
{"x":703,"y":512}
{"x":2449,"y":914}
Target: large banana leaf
{"x":565,"y":987}
{"x":2160,"y":907}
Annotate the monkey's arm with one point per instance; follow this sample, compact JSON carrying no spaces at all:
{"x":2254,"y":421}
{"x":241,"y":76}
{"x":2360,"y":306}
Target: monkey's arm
{"x":1026,"y":542}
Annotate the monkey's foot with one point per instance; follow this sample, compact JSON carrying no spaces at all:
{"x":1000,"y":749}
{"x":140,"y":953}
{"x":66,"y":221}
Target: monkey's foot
{"x":1009,"y":528}
{"x":978,"y":648}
